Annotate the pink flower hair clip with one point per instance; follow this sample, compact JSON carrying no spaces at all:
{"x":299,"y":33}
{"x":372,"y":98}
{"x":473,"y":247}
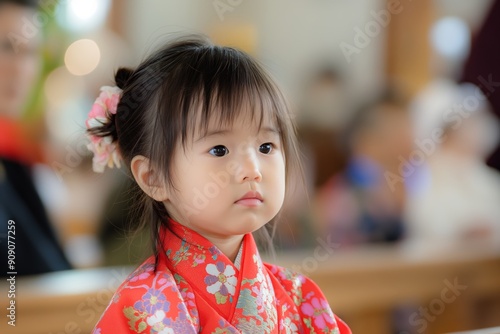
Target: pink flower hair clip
{"x":105,"y":151}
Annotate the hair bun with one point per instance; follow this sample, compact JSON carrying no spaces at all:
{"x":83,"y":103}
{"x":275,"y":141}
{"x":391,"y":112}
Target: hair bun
{"x":122,"y":76}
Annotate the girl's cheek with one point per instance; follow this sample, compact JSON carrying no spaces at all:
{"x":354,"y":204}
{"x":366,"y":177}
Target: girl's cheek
{"x":278,"y":160}
{"x":215,"y":164}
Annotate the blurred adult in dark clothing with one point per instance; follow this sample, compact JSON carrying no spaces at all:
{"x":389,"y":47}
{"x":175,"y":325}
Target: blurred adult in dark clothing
{"x":36,"y":247}
{"x":483,"y":68}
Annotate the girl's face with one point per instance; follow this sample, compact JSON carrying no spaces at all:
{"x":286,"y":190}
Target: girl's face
{"x":230,"y":181}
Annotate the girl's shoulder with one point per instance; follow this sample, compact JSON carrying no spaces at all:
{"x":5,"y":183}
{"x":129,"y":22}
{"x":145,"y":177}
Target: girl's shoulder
{"x":145,"y":273}
{"x":149,"y":281}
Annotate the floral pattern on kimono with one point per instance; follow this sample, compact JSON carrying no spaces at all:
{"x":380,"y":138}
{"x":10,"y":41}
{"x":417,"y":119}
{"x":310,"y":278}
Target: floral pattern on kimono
{"x":197,"y":289}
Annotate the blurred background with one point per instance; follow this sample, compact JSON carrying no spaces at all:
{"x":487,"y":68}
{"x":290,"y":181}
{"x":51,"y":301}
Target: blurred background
{"x":397,"y":110}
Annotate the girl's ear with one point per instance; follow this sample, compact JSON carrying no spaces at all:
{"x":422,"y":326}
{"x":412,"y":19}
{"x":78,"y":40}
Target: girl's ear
{"x":147,"y":178}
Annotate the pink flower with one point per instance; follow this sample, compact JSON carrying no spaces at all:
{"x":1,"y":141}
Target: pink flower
{"x":142,"y":273}
{"x":105,"y":151}
{"x":320,"y":311}
{"x":188,"y":298}
{"x":199,"y":259}
{"x":140,"y":277}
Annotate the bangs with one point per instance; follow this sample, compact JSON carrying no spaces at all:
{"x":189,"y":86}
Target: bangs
{"x":219,"y":107}
{"x":221,"y":85}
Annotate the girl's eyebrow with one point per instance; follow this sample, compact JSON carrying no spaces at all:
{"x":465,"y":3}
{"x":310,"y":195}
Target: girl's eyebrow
{"x":222,"y":132}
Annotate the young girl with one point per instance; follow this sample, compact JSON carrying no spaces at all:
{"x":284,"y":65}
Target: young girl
{"x":209,"y":141}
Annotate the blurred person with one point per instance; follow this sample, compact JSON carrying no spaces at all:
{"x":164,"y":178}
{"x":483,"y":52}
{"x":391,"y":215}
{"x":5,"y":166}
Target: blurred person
{"x":212,"y":153}
{"x":361,"y":204}
{"x":458,"y":196}
{"x":22,"y":213}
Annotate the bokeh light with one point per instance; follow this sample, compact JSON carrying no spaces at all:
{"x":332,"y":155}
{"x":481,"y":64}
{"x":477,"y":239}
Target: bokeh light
{"x":82,"y":57}
{"x":60,"y":86}
{"x":83,"y":15}
{"x":450,"y":37}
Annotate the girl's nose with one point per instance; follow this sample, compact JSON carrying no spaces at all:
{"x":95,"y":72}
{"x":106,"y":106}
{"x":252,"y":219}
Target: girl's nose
{"x":249,"y":170}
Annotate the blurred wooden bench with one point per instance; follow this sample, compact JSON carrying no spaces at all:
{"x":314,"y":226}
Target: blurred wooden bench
{"x":63,"y":302}
{"x":363,"y":286}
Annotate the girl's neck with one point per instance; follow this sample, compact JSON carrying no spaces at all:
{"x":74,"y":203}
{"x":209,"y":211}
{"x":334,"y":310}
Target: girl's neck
{"x":229,"y":246}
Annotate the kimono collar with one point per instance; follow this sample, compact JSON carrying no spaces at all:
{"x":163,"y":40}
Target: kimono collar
{"x":216,"y":279}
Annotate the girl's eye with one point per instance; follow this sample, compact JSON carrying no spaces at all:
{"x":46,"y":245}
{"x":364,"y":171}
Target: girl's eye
{"x":219,"y":151}
{"x":266,"y":148}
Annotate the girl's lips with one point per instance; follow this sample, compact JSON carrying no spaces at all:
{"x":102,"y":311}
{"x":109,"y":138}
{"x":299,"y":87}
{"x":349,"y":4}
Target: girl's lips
{"x":251,"y":198}
{"x":250,"y":202}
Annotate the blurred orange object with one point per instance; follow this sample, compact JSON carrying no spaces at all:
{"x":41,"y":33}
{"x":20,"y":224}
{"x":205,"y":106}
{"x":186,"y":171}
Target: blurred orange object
{"x":17,"y":144}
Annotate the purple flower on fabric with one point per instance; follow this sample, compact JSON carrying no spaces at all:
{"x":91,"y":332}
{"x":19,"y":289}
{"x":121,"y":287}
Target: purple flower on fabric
{"x":220,"y":279}
{"x":214,"y":251}
{"x":188,"y":298}
{"x":152,"y":301}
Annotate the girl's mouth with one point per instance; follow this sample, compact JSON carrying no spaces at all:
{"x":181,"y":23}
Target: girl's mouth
{"x":251,"y":199}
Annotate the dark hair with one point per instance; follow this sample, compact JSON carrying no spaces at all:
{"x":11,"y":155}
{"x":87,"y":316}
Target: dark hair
{"x":165,"y":97}
{"x":23,"y":3}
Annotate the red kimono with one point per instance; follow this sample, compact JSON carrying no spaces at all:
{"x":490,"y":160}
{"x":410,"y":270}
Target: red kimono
{"x":197,"y":289}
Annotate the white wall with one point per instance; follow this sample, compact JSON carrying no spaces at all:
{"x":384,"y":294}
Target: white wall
{"x":291,"y":34}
